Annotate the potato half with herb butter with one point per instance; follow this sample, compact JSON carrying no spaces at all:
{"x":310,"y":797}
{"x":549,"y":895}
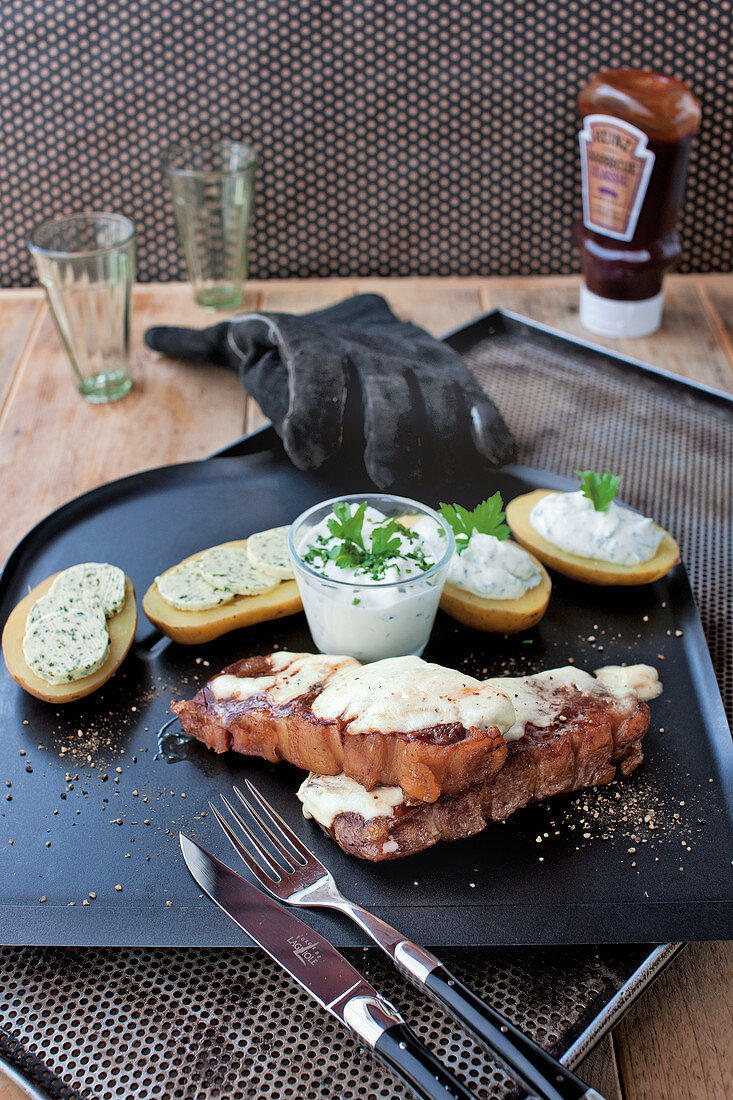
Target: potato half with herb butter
{"x":587,"y":536}
{"x":493,"y":584}
{"x":71,"y":633}
{"x":222,"y":589}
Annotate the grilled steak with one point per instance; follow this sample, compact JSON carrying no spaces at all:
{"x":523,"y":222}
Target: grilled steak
{"x":584,"y":737}
{"x":404,"y":722}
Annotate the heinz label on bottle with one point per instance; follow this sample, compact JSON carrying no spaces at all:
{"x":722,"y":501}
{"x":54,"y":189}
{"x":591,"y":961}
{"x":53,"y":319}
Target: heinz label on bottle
{"x":616,"y":165}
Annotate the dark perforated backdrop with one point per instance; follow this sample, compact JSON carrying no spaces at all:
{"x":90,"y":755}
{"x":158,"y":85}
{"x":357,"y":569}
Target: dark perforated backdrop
{"x":397,"y":136}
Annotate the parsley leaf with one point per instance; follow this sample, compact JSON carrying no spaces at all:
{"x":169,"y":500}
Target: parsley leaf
{"x":487,"y":519}
{"x":345,"y":526}
{"x":383,"y":542}
{"x":599,"y":488}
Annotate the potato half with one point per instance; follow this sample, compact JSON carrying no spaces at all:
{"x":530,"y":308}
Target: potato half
{"x":498,"y":616}
{"x":195,"y":627}
{"x":588,"y":570}
{"x":121,"y":629}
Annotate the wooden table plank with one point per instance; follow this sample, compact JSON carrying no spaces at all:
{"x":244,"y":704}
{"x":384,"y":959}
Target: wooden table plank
{"x":18,"y":317}
{"x":716,"y":292}
{"x":437,"y":305}
{"x":600,"y":1070}
{"x":676,"y":1041}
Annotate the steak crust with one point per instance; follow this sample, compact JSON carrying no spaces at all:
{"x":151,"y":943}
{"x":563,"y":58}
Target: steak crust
{"x":426,"y":763}
{"x":597,"y":736}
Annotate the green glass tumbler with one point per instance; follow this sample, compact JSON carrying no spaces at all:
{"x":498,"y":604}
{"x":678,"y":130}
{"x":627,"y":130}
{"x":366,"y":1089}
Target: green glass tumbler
{"x":212,"y":184}
{"x":86,"y":265}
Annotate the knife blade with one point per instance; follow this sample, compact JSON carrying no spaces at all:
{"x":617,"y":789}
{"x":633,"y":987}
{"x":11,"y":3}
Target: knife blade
{"x":325,"y":974}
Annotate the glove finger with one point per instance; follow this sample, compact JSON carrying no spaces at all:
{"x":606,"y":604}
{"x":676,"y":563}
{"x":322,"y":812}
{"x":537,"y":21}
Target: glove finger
{"x":489,"y":431}
{"x":312,"y":429}
{"x":446,"y":443}
{"x":482,"y":426}
{"x":392,"y":422}
{"x":206,"y":345}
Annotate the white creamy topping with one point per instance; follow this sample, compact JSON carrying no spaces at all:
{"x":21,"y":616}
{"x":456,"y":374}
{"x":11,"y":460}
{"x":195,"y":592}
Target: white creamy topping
{"x":67,"y":645}
{"x":412,"y":557}
{"x":268,"y":550}
{"x":401,"y":694}
{"x":431,"y":532}
{"x":618,"y":535}
{"x":293,"y":674}
{"x":493,"y":568}
{"x":229,"y":568}
{"x":324,"y":797}
{"x":639,"y":680}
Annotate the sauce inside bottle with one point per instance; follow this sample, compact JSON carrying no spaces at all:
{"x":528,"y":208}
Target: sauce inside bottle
{"x":638,"y":129}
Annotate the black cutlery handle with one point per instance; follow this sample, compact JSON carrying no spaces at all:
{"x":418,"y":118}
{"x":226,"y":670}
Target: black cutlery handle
{"x":429,"y":1078}
{"x":538,"y":1071}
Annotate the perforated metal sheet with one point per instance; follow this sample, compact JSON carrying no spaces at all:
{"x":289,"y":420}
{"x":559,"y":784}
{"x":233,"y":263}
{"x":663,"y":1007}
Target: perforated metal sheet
{"x":217,"y":1024}
{"x":226,"y":1024}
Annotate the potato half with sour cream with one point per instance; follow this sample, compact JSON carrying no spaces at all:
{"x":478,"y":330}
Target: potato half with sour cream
{"x":120,"y":627}
{"x":196,"y":623}
{"x":498,"y":616}
{"x":586,"y":569}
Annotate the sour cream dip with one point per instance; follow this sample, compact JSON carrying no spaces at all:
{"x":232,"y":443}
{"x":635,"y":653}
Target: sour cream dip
{"x":370,"y":584}
{"x":618,"y":535}
{"x":493,"y":568}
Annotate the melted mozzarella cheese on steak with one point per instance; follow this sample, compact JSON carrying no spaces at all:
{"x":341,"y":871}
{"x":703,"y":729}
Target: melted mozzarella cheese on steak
{"x":401,"y":694}
{"x":324,"y":797}
{"x":639,"y":680}
{"x":292,"y":674}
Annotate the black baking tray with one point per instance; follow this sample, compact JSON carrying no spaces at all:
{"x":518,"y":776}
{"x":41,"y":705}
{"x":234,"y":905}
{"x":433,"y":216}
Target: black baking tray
{"x":646,"y":860}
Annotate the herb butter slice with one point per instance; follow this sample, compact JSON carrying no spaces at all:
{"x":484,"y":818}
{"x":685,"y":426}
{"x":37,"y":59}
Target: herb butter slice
{"x":186,"y":588}
{"x":229,"y":568}
{"x":66,"y":645}
{"x":268,"y":551}
{"x":96,"y":583}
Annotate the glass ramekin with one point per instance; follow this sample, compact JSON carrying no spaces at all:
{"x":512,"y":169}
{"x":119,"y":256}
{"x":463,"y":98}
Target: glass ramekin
{"x":370,"y":621}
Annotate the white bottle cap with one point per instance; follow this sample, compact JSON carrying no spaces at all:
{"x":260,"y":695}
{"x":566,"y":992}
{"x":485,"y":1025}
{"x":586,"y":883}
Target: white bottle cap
{"x":607,"y":317}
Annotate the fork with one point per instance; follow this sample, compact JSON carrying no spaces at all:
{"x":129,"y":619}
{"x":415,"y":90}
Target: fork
{"x":297,"y":877}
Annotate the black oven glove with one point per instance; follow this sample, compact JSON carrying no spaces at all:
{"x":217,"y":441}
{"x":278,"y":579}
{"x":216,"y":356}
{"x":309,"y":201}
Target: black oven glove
{"x":355,"y":370}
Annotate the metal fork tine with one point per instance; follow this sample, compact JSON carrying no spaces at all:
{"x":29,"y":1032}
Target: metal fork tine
{"x":292,"y":838}
{"x":261,"y":874}
{"x":295,"y":859}
{"x":255,"y":842}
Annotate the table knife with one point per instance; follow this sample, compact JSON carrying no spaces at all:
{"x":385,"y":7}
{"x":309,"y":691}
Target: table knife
{"x":324,"y":973}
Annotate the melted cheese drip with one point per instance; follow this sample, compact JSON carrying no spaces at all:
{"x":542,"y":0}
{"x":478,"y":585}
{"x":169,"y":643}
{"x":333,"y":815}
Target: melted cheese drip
{"x":534,"y":699}
{"x":400,"y":694}
{"x":639,"y":680}
{"x":324,"y":797}
{"x":293,"y":674}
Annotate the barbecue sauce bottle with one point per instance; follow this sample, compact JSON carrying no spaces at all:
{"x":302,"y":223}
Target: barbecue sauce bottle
{"x":635,"y":145}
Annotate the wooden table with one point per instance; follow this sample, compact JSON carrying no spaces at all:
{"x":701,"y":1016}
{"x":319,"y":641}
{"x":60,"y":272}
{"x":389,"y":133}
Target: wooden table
{"x":676,"y":1043}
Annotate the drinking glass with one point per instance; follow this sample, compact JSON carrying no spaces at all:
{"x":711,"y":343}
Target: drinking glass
{"x":212,"y":186}
{"x":86,"y":265}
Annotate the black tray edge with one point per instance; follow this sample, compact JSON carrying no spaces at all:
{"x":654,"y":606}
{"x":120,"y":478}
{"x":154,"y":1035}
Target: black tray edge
{"x":506,"y":320}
